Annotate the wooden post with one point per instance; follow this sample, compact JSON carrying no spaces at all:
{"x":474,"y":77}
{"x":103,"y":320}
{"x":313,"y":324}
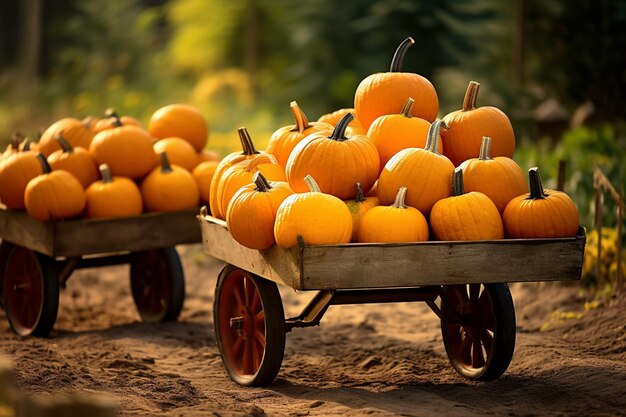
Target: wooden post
{"x":620,"y":220}
{"x":560,"y":184}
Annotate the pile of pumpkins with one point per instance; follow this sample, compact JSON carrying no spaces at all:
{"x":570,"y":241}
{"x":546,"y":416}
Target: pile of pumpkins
{"x":387,"y":171}
{"x":111,"y":167}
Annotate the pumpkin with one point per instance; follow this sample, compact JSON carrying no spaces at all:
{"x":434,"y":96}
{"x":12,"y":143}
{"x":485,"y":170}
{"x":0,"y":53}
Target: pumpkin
{"x":286,"y":138}
{"x":314,"y":217}
{"x":466,"y":128}
{"x":336,"y":161}
{"x":252,"y":211}
{"x":179,"y":152}
{"x":358,"y":207}
{"x":113,"y":196}
{"x":109,"y":121}
{"x":54,"y":195}
{"x":169,"y":188}
{"x":207,"y":155}
{"x":180,"y":121}
{"x":127,"y":150}
{"x":73,"y":130}
{"x":16,"y":171}
{"x":465,"y":216}
{"x":540,"y":213}
{"x":203,"y":174}
{"x":354,"y":127}
{"x":499,"y":178}
{"x":393,"y":132}
{"x":425,"y":172}
{"x":395,"y":223}
{"x":386,"y":92}
{"x":76,"y":161}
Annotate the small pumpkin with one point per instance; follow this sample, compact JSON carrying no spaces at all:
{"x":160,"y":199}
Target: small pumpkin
{"x":540,"y":213}
{"x":54,"y":195}
{"x":180,"y":121}
{"x":76,"y":161}
{"x":73,"y":130}
{"x":16,"y":171}
{"x":252,"y":211}
{"x":358,"y":207}
{"x":392,"y":133}
{"x":179,"y":151}
{"x":314,"y":217}
{"x":109,"y":121}
{"x":203,"y":174}
{"x":499,"y":178}
{"x":338,"y":162}
{"x":113,"y":196}
{"x":466,"y":128}
{"x":385,"y":92}
{"x":169,"y":188}
{"x":286,"y":138}
{"x":206,"y":155}
{"x":395,"y":223}
{"x":354,"y":127}
{"x":425,"y":172}
{"x":471,"y":216}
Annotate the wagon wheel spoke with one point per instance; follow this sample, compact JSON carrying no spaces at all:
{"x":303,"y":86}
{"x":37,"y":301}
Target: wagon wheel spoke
{"x":478,"y":359}
{"x":259,"y":317}
{"x":474,"y":291}
{"x":249,"y":290}
{"x":256,"y":303}
{"x":237,"y":293}
{"x":256,"y":357}
{"x":464,"y":350}
{"x":487,"y":339}
{"x":486,"y":312}
{"x":238,"y":347}
{"x":247,"y":358}
{"x":259,"y":337}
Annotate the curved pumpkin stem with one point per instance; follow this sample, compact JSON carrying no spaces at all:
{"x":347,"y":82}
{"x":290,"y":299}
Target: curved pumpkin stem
{"x":246,"y":142}
{"x":536,"y":187}
{"x":432,"y":140}
{"x":252,"y":164}
{"x":339,"y":133}
{"x":408,"y":106}
{"x":45,"y":166}
{"x":302,"y":123}
{"x":26,"y":145}
{"x":485,"y":149}
{"x":471,"y":95}
{"x":457,"y":182}
{"x":105,"y":171}
{"x":400,"y":198}
{"x":166,"y":167}
{"x":112,"y":114}
{"x":65,"y":145}
{"x":398,"y":58}
{"x":360,"y":196}
{"x":262,"y":184}
{"x":16,"y":140}
{"x":310,"y":182}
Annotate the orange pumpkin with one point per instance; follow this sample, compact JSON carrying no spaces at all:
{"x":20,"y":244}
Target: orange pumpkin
{"x":252,"y":211}
{"x":16,"y":171}
{"x":338,"y":162}
{"x":169,"y":188}
{"x":358,"y":207}
{"x":425,"y":173}
{"x":286,"y":138}
{"x":466,"y":128}
{"x":541,"y":213}
{"x":113,"y":197}
{"x":203,"y":174}
{"x":179,"y":152}
{"x":73,"y":130}
{"x":180,"y":121}
{"x":471,"y":216}
{"x":109,"y":121}
{"x":76,"y":161}
{"x":354,"y":127}
{"x":207,"y":155}
{"x":385,"y":93}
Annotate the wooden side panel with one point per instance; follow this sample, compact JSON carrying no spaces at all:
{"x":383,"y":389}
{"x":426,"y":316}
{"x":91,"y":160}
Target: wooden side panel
{"x":19,"y":228}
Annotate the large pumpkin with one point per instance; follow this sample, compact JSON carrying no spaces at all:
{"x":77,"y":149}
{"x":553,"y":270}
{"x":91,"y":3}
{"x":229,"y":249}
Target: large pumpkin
{"x":358,"y":207}
{"x":76,"y":161}
{"x":203,"y":174}
{"x":425,"y":172}
{"x":180,"y":121}
{"x":252,"y":211}
{"x":169,"y":188}
{"x":179,"y":151}
{"x":499,"y":178}
{"x":286,"y":138}
{"x":73,"y":130}
{"x":336,"y":161}
{"x":354,"y":127}
{"x":314,"y":217}
{"x":466,"y":128}
{"x":386,"y":92}
{"x":471,"y":216}
{"x":113,"y":197}
{"x":541,"y":213}
{"x":16,"y":171}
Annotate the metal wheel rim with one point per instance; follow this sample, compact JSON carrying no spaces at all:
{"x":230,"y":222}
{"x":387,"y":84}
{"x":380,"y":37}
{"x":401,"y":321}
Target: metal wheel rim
{"x":23,"y":290}
{"x":150,"y":285}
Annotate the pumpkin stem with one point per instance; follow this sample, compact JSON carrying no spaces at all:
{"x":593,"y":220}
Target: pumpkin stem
{"x":471,"y":95}
{"x":26,"y":145}
{"x":339,"y":133}
{"x":400,"y":197}
{"x":536,"y":187}
{"x":105,"y":171}
{"x":432,"y":140}
{"x":485,"y":149}
{"x":65,"y":145}
{"x":457,"y":182}
{"x":15,"y":141}
{"x":408,"y":106}
{"x":310,"y":182}
{"x":360,"y":196}
{"x":45,"y":166}
{"x":252,"y":164}
{"x":398,"y":58}
{"x":111,"y":114}
{"x":87,"y":122}
{"x":262,"y":184}
{"x":302,"y":123}
{"x":166,"y":167}
{"x":246,"y":142}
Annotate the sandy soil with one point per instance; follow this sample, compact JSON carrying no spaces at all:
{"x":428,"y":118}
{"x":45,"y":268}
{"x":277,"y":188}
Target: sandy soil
{"x":364,"y":360}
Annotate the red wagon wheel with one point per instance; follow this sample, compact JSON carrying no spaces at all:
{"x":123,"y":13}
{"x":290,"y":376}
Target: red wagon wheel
{"x":157,"y":283}
{"x":30,"y":291}
{"x":478,"y":328}
{"x":249,"y":326}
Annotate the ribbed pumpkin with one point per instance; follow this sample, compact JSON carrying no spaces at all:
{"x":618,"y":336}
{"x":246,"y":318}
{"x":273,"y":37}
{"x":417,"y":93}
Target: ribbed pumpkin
{"x":336,"y":161}
{"x":73,"y":130}
{"x":466,"y":128}
{"x":286,"y":138}
{"x":169,"y":188}
{"x":315,"y":217}
{"x":109,"y":121}
{"x":425,"y":173}
{"x":76,"y":161}
{"x":386,"y":92}
{"x":203,"y":174}
{"x":541,"y":213}
{"x":54,"y":195}
{"x":395,"y":223}
{"x":354,"y":127}
{"x":394,"y":132}
{"x":207,"y":155}
{"x":358,"y":207}
{"x":471,"y":216}
{"x":16,"y":171}
{"x":127,"y":150}
{"x":499,"y":178}
{"x":179,"y":151}
{"x":113,"y":196}
{"x":180,"y":121}
{"x":252,"y":211}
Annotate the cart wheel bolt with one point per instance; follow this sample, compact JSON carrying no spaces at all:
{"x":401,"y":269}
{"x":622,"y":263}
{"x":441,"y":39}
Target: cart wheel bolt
{"x":236,"y":323}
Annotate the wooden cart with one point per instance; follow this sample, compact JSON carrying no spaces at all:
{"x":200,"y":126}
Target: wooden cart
{"x":37,"y":258}
{"x":464,"y":283}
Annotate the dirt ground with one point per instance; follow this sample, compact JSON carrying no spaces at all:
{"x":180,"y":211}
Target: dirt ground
{"x":377,"y":360}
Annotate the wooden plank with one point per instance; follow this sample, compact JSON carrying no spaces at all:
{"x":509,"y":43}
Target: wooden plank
{"x":19,"y":228}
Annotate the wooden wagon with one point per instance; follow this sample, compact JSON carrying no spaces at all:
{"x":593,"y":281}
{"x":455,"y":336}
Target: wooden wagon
{"x":464,"y":283}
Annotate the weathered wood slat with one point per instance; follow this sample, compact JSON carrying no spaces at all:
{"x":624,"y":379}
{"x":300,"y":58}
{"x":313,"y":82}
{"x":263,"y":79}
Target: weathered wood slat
{"x":19,"y":228}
